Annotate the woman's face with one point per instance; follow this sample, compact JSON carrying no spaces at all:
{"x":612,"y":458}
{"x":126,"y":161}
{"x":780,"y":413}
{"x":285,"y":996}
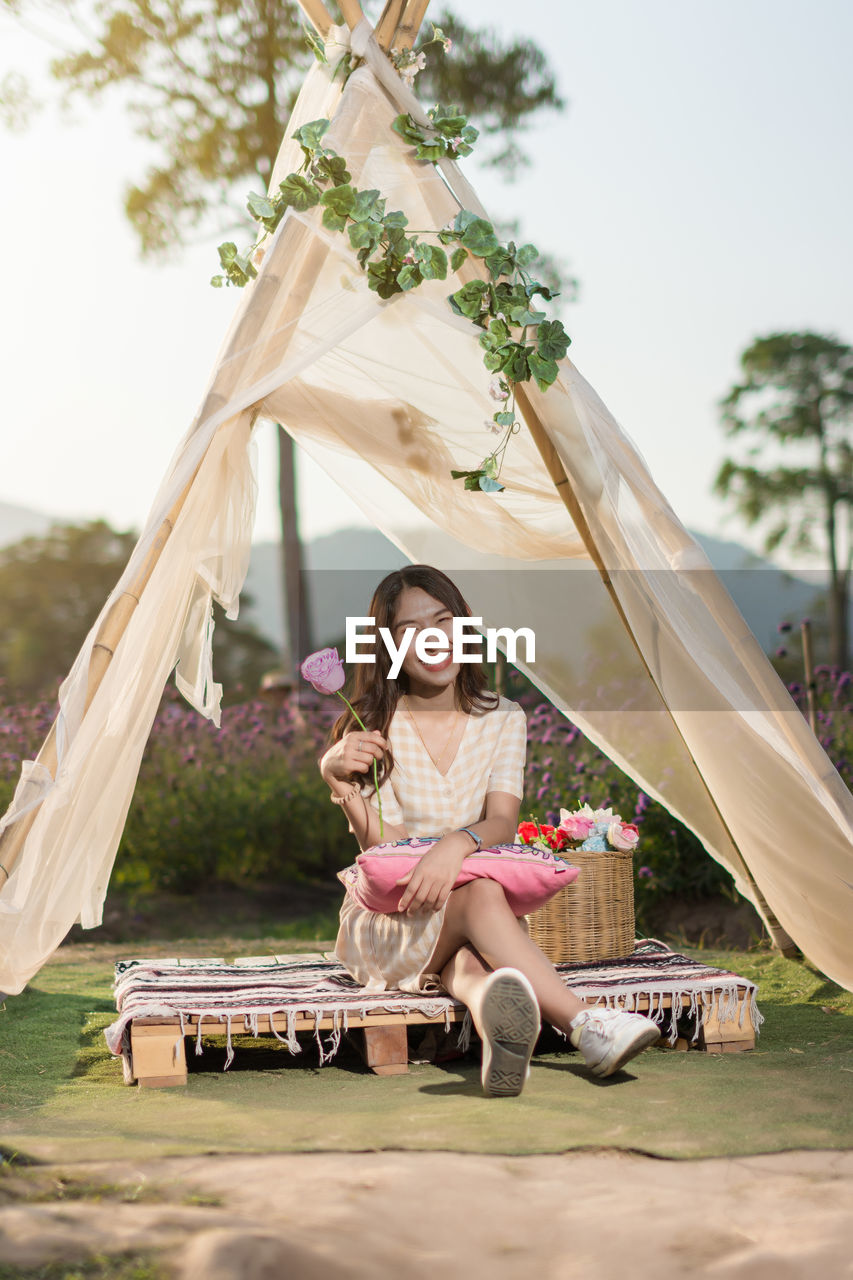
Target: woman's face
{"x":415,"y":608}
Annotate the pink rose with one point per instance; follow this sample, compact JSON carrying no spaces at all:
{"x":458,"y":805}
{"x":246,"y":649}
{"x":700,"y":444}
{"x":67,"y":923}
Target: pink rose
{"x":576,"y":827}
{"x":324,"y":670}
{"x":623,"y":836}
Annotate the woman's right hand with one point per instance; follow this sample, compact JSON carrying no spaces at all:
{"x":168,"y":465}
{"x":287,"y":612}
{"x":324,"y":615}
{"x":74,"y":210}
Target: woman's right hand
{"x":353,"y":753}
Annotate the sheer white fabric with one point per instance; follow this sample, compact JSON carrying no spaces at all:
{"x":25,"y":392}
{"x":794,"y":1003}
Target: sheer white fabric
{"x":387,"y":397}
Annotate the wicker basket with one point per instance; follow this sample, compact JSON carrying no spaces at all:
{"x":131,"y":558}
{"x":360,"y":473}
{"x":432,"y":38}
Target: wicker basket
{"x":592,"y":919}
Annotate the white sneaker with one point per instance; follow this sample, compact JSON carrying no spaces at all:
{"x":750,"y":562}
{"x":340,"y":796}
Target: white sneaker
{"x":608,"y":1038}
{"x":511,"y":1023}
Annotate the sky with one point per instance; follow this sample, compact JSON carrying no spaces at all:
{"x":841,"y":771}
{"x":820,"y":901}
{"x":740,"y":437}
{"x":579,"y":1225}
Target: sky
{"x":696,"y":185}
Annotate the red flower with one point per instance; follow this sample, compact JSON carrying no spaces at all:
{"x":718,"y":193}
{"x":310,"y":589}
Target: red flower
{"x":528,"y":831}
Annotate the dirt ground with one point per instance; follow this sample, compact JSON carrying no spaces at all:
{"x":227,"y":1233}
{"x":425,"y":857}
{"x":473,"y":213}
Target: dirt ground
{"x":599,"y":1214}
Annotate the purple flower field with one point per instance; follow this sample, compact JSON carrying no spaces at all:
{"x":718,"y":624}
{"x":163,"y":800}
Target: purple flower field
{"x":245,"y":804}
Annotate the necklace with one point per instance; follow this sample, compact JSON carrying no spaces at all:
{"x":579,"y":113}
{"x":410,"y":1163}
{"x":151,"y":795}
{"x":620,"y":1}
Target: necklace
{"x":420,"y":735}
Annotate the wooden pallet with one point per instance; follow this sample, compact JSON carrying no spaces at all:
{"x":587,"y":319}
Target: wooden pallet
{"x":159,"y":1053}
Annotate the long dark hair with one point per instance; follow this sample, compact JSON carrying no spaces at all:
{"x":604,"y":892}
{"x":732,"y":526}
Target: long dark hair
{"x":376,"y":695}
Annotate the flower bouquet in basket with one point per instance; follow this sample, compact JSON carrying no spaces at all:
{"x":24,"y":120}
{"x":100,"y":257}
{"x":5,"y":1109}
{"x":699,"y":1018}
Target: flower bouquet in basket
{"x":585,"y":828}
{"x":592,"y":919}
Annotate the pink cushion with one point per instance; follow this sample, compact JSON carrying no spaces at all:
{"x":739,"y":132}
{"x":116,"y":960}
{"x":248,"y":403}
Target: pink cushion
{"x":529,"y":876}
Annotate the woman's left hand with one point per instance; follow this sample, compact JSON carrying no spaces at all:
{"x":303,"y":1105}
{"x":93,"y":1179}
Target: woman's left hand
{"x":430,"y":882}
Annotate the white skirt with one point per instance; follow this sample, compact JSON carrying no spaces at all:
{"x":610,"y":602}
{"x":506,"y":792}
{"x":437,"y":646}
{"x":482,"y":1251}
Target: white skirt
{"x":391,"y":950}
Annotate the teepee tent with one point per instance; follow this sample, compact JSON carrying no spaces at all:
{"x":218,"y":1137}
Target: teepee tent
{"x":636,"y":639}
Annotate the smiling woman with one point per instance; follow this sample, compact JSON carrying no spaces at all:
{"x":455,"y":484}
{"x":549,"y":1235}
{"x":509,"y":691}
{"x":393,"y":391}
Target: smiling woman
{"x":450,"y":757}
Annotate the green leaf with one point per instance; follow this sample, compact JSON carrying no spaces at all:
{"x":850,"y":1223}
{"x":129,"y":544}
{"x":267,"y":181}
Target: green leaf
{"x":447,"y":120}
{"x":463,"y":220}
{"x":459,"y":256}
{"x":504,"y":419}
{"x":217,"y":281}
{"x":431,"y":151}
{"x":334,"y":221}
{"x":396,"y":219}
{"x":524,"y":316}
{"x":493,"y":360}
{"x":316,"y":46}
{"x":398,"y":241}
{"x":499,"y":331}
{"x":337,"y":203}
{"x":406,"y":127}
{"x":448,"y":237}
{"x":462,"y":144}
{"x":310,"y":135}
{"x":544,"y":371}
{"x":468,"y":301}
{"x":536,"y":287}
{"x":245,"y":265}
{"x":364,"y":235}
{"x":552,"y":340}
{"x":300,"y":193}
{"x":457,"y":475}
{"x":527,"y":254}
{"x":515,"y":362}
{"x":227,"y":252}
{"x":432,"y":261}
{"x":472,"y":480}
{"x":382,"y":278}
{"x":340,"y":199}
{"x":511,"y":297}
{"x":334,"y":168}
{"x":260,"y":206}
{"x":409,"y":277}
{"x":366,"y":204}
{"x":499,"y":263}
{"x":479,"y":237}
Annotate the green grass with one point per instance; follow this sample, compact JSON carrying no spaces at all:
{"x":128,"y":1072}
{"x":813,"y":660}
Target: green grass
{"x":62,"y":1096}
{"x":100,"y":1267}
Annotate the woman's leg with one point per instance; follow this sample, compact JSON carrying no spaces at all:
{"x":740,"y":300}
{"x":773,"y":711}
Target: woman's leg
{"x":478,"y":914}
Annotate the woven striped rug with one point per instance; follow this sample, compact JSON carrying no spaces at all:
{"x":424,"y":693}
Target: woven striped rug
{"x":238,"y":993}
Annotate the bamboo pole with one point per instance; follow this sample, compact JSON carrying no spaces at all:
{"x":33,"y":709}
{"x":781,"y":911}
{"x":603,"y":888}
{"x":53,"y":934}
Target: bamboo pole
{"x":318,"y":15}
{"x":781,"y":939}
{"x":386,"y":27}
{"x":407,"y":32}
{"x":808,"y":667}
{"x":351,"y":10}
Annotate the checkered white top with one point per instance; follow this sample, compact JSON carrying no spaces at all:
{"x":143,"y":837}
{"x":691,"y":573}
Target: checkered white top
{"x":490,"y":757}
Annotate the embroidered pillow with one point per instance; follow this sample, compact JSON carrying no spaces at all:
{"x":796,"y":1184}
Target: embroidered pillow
{"x":529,"y":876}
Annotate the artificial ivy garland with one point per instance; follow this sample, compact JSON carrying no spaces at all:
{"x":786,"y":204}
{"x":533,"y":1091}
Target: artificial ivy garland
{"x":518,"y":341}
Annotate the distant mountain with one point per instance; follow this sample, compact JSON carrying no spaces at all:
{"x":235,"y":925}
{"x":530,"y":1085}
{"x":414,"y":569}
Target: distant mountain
{"x":342,"y":570}
{"x":765,"y":594}
{"x":21,"y":522}
{"x":344,"y":567}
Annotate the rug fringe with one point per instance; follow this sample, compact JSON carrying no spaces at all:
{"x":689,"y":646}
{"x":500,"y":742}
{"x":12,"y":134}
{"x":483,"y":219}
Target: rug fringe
{"x":463,"y":1041}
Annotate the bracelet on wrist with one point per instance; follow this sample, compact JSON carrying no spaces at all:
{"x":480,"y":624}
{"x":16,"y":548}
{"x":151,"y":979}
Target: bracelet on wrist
{"x":474,"y":836}
{"x":355,"y":790}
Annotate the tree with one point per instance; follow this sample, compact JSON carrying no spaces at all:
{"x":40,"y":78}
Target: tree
{"x":211,"y":83}
{"x":797,"y":398}
{"x":52,"y":589}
